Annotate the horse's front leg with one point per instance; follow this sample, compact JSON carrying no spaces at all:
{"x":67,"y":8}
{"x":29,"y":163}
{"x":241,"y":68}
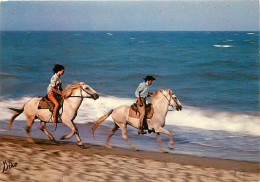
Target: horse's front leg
{"x":162,"y":130}
{"x":74,"y":131}
{"x":159,"y":141}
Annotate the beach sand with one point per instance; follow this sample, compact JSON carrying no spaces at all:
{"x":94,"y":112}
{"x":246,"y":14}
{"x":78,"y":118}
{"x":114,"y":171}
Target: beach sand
{"x":65,"y":161}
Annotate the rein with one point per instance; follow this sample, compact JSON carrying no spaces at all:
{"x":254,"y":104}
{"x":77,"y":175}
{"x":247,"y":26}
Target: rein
{"x":169,"y":101}
{"x":81,"y":96}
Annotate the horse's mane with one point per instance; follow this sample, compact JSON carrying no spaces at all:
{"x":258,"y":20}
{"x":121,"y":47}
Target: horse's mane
{"x":69,"y":88}
{"x":156,"y":93}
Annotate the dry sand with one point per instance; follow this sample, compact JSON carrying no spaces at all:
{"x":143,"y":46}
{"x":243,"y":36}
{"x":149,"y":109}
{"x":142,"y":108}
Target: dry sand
{"x":46,"y":161}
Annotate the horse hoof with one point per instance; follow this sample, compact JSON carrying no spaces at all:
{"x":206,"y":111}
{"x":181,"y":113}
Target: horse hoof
{"x":82,"y":146}
{"x":62,"y":138}
{"x":53,"y":140}
{"x":30,"y":140}
{"x":170,"y":146}
{"x":108,"y":146}
{"x":163,"y":151}
{"x":134,"y":149}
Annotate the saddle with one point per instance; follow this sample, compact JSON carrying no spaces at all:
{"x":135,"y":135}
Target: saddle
{"x":45,"y":103}
{"x":134,"y":113}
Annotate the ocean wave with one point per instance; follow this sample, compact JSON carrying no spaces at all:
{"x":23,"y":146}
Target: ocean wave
{"x":78,"y":34}
{"x":7,"y":75}
{"x":222,"y":45}
{"x":222,"y":147}
{"x":91,"y":110}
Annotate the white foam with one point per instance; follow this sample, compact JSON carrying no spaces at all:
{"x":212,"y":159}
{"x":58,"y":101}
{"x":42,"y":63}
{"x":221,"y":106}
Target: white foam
{"x":6,"y":114}
{"x":222,"y":45}
{"x":212,"y":120}
{"x":91,"y":110}
{"x":250,"y":33}
{"x":78,"y":34}
{"x":109,"y":34}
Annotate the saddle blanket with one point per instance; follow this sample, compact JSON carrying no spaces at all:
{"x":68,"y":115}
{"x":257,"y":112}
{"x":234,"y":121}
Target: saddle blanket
{"x":45,"y":103}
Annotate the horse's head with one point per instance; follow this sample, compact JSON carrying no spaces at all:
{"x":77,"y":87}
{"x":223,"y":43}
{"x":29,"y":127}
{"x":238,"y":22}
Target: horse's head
{"x":174,"y":101}
{"x":80,"y":90}
{"x":169,"y":96}
{"x":87,"y":91}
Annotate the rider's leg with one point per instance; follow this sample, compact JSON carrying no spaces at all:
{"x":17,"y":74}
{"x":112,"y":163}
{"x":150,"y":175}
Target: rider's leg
{"x":56,"y":106}
{"x":141,"y":110}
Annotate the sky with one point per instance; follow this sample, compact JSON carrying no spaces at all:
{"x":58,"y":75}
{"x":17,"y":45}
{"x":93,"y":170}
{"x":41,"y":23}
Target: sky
{"x":135,"y":15}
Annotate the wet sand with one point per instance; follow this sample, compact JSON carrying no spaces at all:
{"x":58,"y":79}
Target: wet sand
{"x":65,"y":161}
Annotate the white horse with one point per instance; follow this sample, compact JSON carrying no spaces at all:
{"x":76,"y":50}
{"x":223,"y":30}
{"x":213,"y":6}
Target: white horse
{"x":73,"y":97}
{"x":161,"y":100}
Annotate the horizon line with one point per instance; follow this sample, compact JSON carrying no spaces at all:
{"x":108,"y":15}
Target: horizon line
{"x":129,"y":30}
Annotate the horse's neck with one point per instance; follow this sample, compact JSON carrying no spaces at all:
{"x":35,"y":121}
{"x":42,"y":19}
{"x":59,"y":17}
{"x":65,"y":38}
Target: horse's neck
{"x":161,"y":106}
{"x":74,"y":100}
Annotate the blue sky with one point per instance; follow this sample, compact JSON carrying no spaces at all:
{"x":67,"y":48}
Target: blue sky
{"x":186,"y":15}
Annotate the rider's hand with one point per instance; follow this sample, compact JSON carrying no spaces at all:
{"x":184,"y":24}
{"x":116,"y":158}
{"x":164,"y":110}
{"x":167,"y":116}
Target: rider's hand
{"x":139,"y":103}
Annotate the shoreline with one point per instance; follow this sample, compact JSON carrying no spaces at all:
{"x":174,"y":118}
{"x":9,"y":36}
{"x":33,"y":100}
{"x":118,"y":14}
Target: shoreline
{"x":63,"y":161}
{"x":91,"y":149}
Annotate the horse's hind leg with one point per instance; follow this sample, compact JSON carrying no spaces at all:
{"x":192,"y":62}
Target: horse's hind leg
{"x":111,"y":132}
{"x":125,"y":137}
{"x":43,"y":128}
{"x":30,"y":121}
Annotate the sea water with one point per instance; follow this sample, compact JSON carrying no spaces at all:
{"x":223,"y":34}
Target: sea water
{"x":215,"y":75}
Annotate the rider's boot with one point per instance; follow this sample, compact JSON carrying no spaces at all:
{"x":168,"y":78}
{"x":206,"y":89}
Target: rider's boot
{"x":141,"y":131}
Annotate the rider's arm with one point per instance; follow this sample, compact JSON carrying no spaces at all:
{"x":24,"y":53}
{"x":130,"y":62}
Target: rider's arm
{"x":53,"y":85}
{"x":61,"y":88}
{"x":56,"y":91}
{"x":139,"y":89}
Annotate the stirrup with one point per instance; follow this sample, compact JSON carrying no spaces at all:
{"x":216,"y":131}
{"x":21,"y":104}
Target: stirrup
{"x":58,"y":120}
{"x":140,"y":131}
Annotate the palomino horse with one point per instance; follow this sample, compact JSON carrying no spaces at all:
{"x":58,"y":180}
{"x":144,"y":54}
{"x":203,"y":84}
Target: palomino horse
{"x":161,"y":100}
{"x":73,"y":97}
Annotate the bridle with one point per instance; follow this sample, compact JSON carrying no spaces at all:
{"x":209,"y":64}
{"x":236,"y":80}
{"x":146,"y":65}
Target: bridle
{"x":81,"y":96}
{"x":169,"y":100}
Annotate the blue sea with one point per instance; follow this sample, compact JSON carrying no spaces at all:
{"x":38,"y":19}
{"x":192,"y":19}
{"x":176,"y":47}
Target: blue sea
{"x":215,"y":75}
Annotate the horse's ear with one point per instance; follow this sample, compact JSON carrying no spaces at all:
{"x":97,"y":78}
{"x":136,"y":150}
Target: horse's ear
{"x":171,"y":92}
{"x":75,"y":83}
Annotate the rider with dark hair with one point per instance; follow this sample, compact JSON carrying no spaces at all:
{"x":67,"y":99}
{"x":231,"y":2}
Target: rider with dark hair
{"x":54,"y":88}
{"x":141,"y":93}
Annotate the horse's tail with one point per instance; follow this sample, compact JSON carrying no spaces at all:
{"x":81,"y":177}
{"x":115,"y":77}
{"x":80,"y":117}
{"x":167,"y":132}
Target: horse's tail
{"x":99,"y":121}
{"x":18,"y":112}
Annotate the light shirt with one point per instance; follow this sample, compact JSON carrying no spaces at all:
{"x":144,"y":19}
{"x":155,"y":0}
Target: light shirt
{"x":55,"y":82}
{"x":142,"y":90}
